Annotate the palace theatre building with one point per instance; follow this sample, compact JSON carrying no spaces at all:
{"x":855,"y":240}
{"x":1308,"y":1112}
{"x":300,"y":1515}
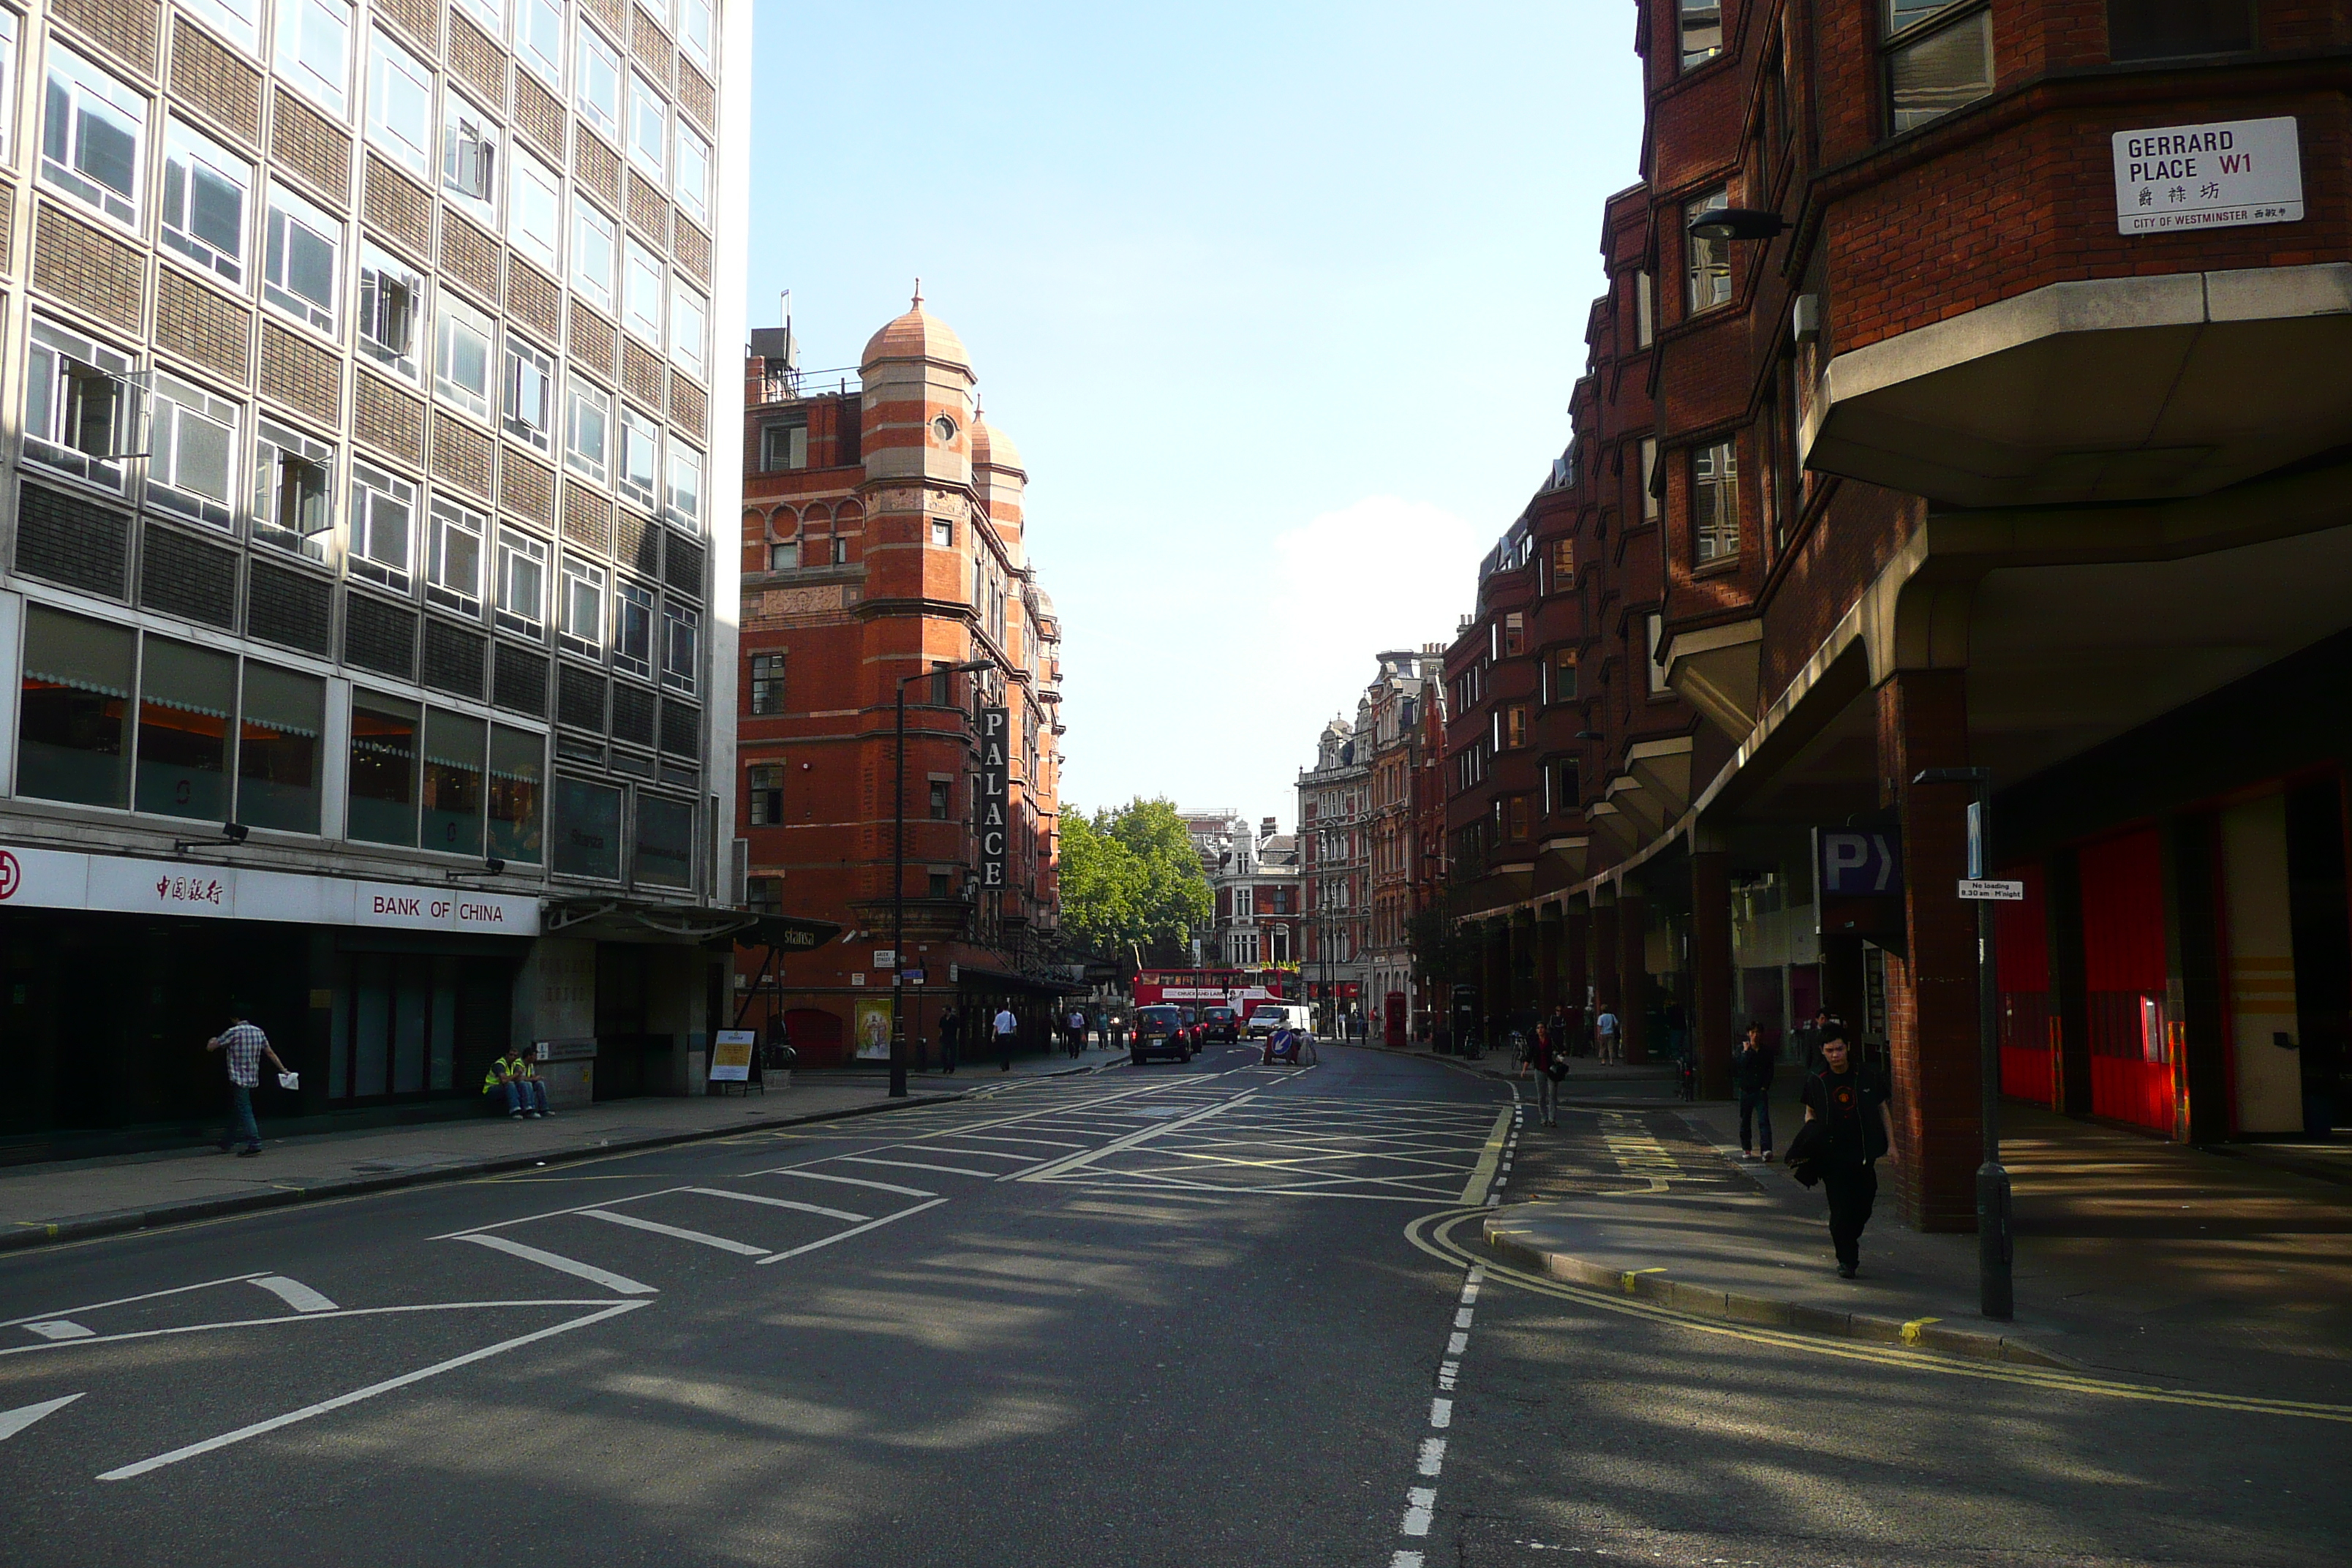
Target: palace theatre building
{"x":365,"y":658}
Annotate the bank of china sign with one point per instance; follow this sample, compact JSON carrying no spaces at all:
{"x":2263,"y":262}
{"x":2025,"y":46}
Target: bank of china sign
{"x":119,"y":884}
{"x":2227,"y":175}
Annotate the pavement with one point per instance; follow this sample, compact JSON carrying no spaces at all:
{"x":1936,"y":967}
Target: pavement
{"x":71,"y":1199}
{"x":2131,"y":1254}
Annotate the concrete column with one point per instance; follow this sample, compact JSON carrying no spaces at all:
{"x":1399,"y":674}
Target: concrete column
{"x":1606,"y":996}
{"x":1576,"y":933}
{"x":1633,"y":974}
{"x":1931,"y":987}
{"x":1548,"y":959}
{"x":1711,"y":978}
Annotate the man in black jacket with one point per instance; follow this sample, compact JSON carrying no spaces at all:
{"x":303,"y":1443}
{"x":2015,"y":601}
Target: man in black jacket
{"x":1751,"y":1075}
{"x":1858,"y":1130}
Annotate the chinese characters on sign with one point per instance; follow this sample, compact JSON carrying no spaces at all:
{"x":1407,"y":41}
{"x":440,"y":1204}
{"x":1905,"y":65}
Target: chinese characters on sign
{"x":2223,"y":175}
{"x":994,"y":837}
{"x":188,"y":890}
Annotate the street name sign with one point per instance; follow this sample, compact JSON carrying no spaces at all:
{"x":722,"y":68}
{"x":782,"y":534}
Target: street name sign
{"x":2225,"y":174}
{"x":1992,"y":890}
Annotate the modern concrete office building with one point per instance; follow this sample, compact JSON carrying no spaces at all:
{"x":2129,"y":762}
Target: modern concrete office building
{"x":365,"y":657}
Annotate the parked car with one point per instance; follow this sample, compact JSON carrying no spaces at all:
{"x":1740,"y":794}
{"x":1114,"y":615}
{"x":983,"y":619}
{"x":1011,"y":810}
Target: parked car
{"x":1160,"y":1032}
{"x":1223,"y":1025}
{"x":1268,"y":1016}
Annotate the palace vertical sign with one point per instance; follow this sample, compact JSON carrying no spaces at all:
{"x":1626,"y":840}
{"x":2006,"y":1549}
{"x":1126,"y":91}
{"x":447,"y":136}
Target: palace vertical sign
{"x":996,"y":836}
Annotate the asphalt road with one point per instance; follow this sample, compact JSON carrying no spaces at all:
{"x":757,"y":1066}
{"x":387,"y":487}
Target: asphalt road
{"x":1206,"y":1314}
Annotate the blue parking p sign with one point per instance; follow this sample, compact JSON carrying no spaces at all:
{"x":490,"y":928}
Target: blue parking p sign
{"x":1857,"y":863}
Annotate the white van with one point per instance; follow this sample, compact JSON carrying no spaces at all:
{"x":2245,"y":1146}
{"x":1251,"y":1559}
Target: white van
{"x":1271,"y":1015}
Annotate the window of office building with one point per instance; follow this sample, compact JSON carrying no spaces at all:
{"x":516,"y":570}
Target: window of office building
{"x":691,"y":182}
{"x":636,"y":470}
{"x":384,"y":787}
{"x":539,"y":40}
{"x":784,"y":443}
{"x":462,"y":356}
{"x":399,"y":104}
{"x":586,"y":830}
{"x":767,"y":683}
{"x":80,"y":405}
{"x":384,"y":519}
{"x":582,"y":624}
{"x":593,"y":237}
{"x":453,"y":563}
{"x":535,"y":211}
{"x":665,"y":842}
{"x":587,"y":421}
{"x":292,"y":479}
{"x":191,"y":439}
{"x":239,"y":20}
{"x":681,"y":656}
{"x":1715,"y":502}
{"x":391,"y":307}
{"x":73,"y":710}
{"x":469,"y":160}
{"x":301,"y":260}
{"x":314,"y":52}
{"x":765,"y":787}
{"x":187,"y":706}
{"x":1702,"y":31}
{"x":456,"y":760}
{"x":1939,"y":57}
{"x":596,"y":83}
{"x":522,"y":581}
{"x":683,"y":502}
{"x":207,"y":191}
{"x":528,"y":394}
{"x":93,"y":136}
{"x":517,"y":785}
{"x":648,"y":125}
{"x":689,"y":329}
{"x":641,"y":292}
{"x":1707,"y":260}
{"x":280,"y":749}
{"x":633,"y":628}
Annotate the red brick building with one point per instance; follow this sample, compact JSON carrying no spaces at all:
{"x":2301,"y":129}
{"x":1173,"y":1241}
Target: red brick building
{"x":883,"y":542}
{"x":2000,"y":422}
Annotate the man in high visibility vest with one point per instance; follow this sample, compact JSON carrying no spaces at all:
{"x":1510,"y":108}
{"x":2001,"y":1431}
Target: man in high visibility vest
{"x":528,"y":1086}
{"x":517,"y":1080}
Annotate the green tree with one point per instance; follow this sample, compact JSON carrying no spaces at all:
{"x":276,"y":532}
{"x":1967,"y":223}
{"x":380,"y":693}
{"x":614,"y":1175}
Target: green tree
{"x":1130,"y":880}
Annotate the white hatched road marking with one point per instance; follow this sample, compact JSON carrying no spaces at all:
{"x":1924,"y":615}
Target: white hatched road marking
{"x":294,"y":1293}
{"x":846,"y":1181}
{"x":572,"y":1266}
{"x":849,"y":1214}
{"x":258,"y":1428}
{"x":699,"y":1237}
{"x":15,"y":1421}
{"x":128,"y":1300}
{"x":914,"y":1165}
{"x":59,"y":1329}
{"x":854,"y":1230}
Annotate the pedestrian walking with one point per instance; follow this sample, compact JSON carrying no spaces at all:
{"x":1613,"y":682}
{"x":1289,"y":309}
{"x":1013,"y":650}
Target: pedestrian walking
{"x":1857,"y":1132}
{"x":1546,"y":1054}
{"x":242,"y":1046}
{"x":1077,"y":1032}
{"x":1007,"y":1026}
{"x":951,"y":1036}
{"x":1751,"y":1075}
{"x":1604,"y":1029}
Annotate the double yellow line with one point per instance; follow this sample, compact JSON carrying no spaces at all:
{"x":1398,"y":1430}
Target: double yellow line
{"x":1434,"y":1233}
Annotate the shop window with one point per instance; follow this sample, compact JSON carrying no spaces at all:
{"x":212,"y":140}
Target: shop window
{"x":765,"y":788}
{"x":384,"y":769}
{"x":587,"y":830}
{"x":1706,"y":258}
{"x":73,"y":711}
{"x":665,"y":843}
{"x":93,"y":135}
{"x":1938,"y":56}
{"x":280,"y":749}
{"x":1715,"y":502}
{"x":399,"y":105}
{"x":767,"y":683}
{"x":518,"y":778}
{"x":1702,"y":31}
{"x":291,"y":495}
{"x":187,"y":699}
{"x":456,"y":758}
{"x":206,"y":190}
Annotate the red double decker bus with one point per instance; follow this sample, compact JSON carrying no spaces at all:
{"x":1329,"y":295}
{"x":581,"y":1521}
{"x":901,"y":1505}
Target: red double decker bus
{"x":1242,"y":989}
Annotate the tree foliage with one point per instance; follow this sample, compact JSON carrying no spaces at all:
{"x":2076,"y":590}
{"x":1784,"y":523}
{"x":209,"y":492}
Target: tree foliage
{"x":1130,"y":880}
{"x":1444,"y":951}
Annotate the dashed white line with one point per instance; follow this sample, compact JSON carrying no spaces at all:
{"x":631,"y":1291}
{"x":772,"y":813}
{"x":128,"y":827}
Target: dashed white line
{"x":1461,"y":1319}
{"x":1433,"y":1456}
{"x":1456,"y":1344}
{"x":1441,"y":1414}
{"x":1421,"y":1508}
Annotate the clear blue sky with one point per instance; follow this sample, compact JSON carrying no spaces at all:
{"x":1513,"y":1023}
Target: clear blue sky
{"x":1283,"y":304}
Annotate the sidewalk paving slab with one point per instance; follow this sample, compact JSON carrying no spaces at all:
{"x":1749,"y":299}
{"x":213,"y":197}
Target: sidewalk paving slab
{"x":2132,"y":1255}
{"x":77,"y":1199}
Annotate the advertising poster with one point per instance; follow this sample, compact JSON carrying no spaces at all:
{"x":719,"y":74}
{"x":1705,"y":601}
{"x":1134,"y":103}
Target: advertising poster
{"x":731,"y":1056}
{"x":873,"y":1030}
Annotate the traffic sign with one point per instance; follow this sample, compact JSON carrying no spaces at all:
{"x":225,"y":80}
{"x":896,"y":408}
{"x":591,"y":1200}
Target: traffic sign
{"x":1992,"y":890}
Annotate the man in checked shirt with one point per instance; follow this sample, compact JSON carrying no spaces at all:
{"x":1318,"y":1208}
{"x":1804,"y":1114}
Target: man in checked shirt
{"x":244,"y":1045}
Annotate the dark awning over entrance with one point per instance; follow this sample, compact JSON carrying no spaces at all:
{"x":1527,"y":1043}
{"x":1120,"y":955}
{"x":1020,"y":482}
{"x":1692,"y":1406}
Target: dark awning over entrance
{"x":644,"y":920}
{"x":973,"y":977}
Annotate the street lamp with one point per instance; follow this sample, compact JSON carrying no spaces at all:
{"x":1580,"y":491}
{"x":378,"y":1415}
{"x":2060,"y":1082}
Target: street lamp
{"x":1737,"y":223}
{"x":898,"y":870}
{"x":1995,"y":1292}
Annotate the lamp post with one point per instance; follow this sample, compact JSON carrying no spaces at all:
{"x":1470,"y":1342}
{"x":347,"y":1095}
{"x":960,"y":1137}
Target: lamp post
{"x":898,"y":872}
{"x":1996,"y":1295}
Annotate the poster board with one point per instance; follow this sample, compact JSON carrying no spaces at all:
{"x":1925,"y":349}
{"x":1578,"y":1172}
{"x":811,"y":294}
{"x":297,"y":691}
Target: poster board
{"x":872,"y":1025}
{"x":730,"y":1056}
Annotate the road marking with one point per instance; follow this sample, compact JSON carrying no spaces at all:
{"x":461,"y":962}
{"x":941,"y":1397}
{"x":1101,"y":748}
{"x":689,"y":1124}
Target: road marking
{"x":1911,"y":1330}
{"x":1420,"y":1507}
{"x":699,"y":1237}
{"x":990,"y":1154}
{"x":853,"y":1230}
{"x":468,"y":1233}
{"x":562,"y":1265}
{"x":1462,"y":1318}
{"x":280,"y":1321}
{"x":1441,"y":1414}
{"x":781,"y":1203}
{"x":127,"y":1300}
{"x":1456,"y":1344}
{"x":258,"y":1428}
{"x":58,"y":1329}
{"x":1433,"y":1456}
{"x":915,"y":1166}
{"x":294,"y":1293}
{"x":1441,"y":1226}
{"x":1475,"y":1189}
{"x":1405,"y":1560}
{"x":1050,"y":1169}
{"x":846,"y":1181}
{"x":15,"y":1421}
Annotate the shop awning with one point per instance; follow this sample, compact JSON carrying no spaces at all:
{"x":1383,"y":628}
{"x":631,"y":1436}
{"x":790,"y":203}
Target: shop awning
{"x":649,"y":919}
{"x":971,"y":974}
